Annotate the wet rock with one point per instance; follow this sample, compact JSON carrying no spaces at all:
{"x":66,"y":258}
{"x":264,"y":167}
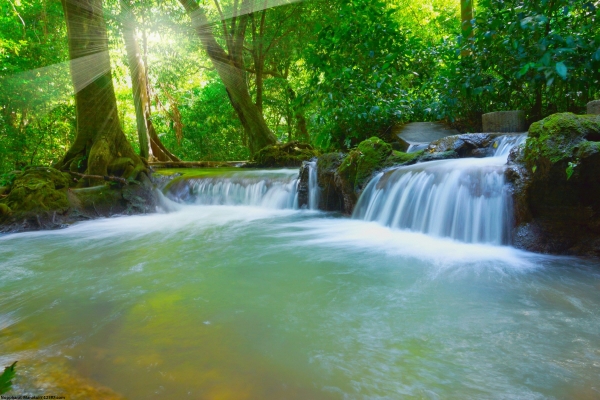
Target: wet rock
{"x":465,"y":145}
{"x":290,"y":154}
{"x":555,"y":186}
{"x":342,"y":177}
{"x":331,"y":198}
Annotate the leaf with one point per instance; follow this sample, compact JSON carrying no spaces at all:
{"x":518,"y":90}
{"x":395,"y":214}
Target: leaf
{"x":561,"y":70}
{"x":534,"y":169}
{"x":6,"y":378}
{"x":524,"y":70}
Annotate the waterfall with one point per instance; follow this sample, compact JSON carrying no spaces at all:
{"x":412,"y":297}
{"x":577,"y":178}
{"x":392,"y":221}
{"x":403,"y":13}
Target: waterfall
{"x":269,"y":188}
{"x":463,"y":199}
{"x":313,"y":186}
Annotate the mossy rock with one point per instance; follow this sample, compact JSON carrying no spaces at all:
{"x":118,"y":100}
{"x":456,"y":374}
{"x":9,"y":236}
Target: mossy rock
{"x":359,"y":164}
{"x":401,"y":158}
{"x":290,"y":154}
{"x":561,"y":137}
{"x":39,"y":189}
{"x":5,"y":210}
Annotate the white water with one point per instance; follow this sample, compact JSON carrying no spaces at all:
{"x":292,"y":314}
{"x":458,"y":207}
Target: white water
{"x":462,"y":199}
{"x":275,"y":189}
{"x":313,"y":186}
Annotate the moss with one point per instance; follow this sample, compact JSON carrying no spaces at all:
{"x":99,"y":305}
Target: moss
{"x":557,"y":137}
{"x":359,"y":164}
{"x":5,"y":210}
{"x":330,"y":161}
{"x":39,"y":189}
{"x":290,"y":154}
{"x":401,"y":158}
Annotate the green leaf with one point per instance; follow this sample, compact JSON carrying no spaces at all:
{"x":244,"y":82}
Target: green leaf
{"x":6,"y":378}
{"x":570,"y":169}
{"x":561,"y":70}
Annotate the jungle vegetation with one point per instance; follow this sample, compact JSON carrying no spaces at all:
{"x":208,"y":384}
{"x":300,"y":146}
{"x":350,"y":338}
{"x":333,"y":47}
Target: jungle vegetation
{"x":101,"y":86}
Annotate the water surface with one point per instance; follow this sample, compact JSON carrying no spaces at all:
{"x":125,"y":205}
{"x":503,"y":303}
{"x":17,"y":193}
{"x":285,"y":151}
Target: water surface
{"x":236,"y":302}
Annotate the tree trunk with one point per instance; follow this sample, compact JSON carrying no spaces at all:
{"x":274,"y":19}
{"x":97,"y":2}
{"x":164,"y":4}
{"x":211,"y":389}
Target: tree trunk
{"x":151,"y":147}
{"x":100,"y":147}
{"x":302,"y":135}
{"x":466,"y":14}
{"x":233,"y":77}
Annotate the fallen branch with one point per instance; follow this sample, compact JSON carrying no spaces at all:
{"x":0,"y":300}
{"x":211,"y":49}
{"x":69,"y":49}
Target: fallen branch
{"x":106,"y":178}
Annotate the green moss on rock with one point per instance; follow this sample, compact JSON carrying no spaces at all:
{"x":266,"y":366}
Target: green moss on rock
{"x":360,"y":163}
{"x":290,"y":154}
{"x":401,"y":158}
{"x":560,"y":137}
{"x":38,"y":189}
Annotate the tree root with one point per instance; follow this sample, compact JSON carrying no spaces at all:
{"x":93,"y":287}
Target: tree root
{"x":106,"y":178}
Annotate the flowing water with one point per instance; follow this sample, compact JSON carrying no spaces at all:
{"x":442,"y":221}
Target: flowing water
{"x":226,"y":300}
{"x":464,"y":199}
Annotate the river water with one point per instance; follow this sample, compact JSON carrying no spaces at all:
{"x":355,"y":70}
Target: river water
{"x":232,"y":301}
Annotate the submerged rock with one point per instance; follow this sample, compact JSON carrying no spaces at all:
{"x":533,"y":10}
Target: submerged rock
{"x":555,"y":186}
{"x":290,"y":154}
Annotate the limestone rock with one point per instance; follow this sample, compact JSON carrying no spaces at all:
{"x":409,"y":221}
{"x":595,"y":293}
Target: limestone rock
{"x":593,"y":107}
{"x":504,"y":121}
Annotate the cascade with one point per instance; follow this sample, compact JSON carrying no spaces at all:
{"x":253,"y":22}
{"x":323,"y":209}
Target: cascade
{"x":313,"y":186}
{"x":463,"y":199}
{"x":269,"y":188}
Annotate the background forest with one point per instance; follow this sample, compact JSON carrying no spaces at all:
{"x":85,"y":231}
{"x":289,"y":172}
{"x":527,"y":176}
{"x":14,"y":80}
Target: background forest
{"x":326,"y":72}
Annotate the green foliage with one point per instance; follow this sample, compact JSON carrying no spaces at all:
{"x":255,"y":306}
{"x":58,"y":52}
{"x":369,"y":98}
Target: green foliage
{"x":6,"y":378}
{"x":541,"y":57}
{"x":355,"y":62}
{"x":211,"y":130}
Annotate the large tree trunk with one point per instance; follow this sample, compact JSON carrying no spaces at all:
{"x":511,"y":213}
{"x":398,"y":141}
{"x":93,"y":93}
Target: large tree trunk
{"x":233,"y":76}
{"x":100,"y":147}
{"x":151,"y":146}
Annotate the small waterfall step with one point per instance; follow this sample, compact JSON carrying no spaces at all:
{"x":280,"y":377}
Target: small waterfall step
{"x":463,"y":199}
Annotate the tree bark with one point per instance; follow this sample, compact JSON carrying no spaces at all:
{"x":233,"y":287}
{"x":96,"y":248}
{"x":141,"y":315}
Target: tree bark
{"x":229,"y":66}
{"x":466,"y":14}
{"x":100,"y":146}
{"x":151,"y":146}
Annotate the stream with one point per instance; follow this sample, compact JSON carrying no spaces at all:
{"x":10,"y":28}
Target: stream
{"x":231,"y":292}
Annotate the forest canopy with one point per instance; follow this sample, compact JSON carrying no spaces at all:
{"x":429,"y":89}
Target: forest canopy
{"x":218,"y":80}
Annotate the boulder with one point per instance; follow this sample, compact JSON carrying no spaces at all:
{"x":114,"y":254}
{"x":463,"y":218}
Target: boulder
{"x":342,"y":177}
{"x":504,"y":121}
{"x":45,"y":198}
{"x":465,"y":145}
{"x":593,"y":107}
{"x":331,"y":198}
{"x":555,"y":186}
